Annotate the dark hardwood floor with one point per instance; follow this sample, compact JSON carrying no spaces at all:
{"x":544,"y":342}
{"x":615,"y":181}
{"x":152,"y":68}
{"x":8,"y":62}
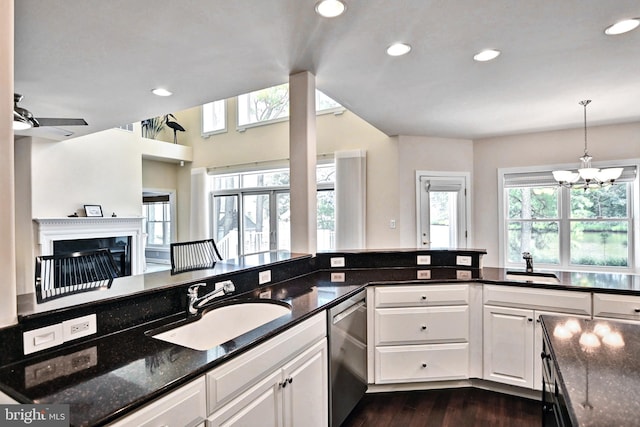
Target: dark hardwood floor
{"x":462,"y":407}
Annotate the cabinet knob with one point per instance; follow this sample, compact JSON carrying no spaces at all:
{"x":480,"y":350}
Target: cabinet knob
{"x":423,"y":327}
{"x":530,"y":319}
{"x":290,"y":380}
{"x":637,"y":310}
{"x":424,"y":365}
{"x":423,"y":297}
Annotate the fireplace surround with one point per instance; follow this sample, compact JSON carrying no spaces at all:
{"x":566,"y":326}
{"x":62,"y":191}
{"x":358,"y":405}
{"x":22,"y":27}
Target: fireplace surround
{"x":50,"y":230}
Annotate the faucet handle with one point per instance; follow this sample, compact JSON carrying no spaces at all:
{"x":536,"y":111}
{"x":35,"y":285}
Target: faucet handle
{"x":193,"y":289}
{"x":228,"y":287}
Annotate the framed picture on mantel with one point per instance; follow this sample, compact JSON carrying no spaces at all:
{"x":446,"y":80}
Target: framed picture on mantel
{"x":93,"y":210}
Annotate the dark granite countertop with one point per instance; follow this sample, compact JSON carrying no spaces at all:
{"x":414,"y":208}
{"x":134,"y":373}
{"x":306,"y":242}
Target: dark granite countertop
{"x":106,"y":377}
{"x":600,"y":382}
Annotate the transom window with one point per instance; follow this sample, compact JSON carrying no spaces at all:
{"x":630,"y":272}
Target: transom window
{"x":272,"y":104}
{"x":568,"y":228}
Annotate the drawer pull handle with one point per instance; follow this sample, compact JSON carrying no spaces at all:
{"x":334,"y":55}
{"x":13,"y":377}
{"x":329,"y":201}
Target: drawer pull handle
{"x":423,"y":297}
{"x":424,"y":365}
{"x":423,"y":327}
{"x":637,"y":310}
{"x":530,"y":319}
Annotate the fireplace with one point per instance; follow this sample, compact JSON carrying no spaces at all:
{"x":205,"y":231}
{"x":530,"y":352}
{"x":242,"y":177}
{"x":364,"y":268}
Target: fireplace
{"x":123,"y":236}
{"x":120,"y":248}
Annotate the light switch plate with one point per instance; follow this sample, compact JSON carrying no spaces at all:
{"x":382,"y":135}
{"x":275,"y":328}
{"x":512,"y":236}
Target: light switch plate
{"x":39,"y":339}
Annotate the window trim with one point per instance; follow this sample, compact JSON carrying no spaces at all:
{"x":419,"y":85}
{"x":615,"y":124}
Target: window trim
{"x":634,"y":206}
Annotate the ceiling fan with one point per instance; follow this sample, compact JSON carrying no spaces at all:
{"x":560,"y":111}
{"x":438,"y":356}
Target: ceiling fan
{"x":23,"y":119}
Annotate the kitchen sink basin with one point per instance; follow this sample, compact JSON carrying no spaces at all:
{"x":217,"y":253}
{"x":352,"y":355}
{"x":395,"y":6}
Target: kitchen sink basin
{"x":524,"y":276}
{"x":220,"y":324}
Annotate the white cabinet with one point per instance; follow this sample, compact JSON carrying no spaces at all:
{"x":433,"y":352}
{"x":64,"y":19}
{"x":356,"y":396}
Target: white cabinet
{"x":512,"y":335}
{"x":283,"y":382}
{"x":508,"y":343}
{"x":419,"y":333}
{"x":294,"y":395}
{"x":185,"y":406}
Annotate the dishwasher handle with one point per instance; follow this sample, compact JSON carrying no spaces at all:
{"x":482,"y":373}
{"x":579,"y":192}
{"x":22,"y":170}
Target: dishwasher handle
{"x":348,"y":311}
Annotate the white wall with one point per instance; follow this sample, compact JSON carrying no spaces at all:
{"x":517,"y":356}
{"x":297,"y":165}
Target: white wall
{"x":535,"y":149}
{"x":7,"y":190}
{"x":427,"y":154}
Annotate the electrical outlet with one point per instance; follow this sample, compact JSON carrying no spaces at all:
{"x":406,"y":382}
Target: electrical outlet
{"x":463,"y":260}
{"x":337,"y":261}
{"x":337,"y":277}
{"x":264,"y":277}
{"x":79,"y":327}
{"x":424,"y":260}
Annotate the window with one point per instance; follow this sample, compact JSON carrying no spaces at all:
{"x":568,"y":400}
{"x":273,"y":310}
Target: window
{"x":157,"y":212}
{"x":272,"y":105}
{"x":251,"y":211}
{"x":568,"y":228}
{"x":214,"y":118}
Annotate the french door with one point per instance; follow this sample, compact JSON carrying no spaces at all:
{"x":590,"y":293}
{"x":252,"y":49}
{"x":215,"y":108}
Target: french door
{"x":252,"y":222}
{"x":441,"y":210}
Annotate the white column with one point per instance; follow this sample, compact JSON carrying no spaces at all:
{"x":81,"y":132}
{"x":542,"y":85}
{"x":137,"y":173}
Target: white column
{"x":199,"y":224}
{"x":302,"y":154}
{"x":8,"y":302}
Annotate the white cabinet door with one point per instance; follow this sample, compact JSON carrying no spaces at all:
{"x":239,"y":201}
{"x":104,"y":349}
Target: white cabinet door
{"x":305,"y":388}
{"x":508,"y":345}
{"x":261,"y":405}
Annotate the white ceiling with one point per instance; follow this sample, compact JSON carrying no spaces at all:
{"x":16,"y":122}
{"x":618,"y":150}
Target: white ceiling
{"x":99,"y":60}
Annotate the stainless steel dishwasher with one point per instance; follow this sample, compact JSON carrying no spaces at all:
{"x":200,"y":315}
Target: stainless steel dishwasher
{"x":348,"y":356}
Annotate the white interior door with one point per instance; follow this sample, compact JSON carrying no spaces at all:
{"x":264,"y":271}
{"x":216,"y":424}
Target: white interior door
{"x":442,"y":211}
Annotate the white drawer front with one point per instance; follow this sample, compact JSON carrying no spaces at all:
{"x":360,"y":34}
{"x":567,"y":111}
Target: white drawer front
{"x":232,"y":378}
{"x":421,"y":325}
{"x":538,"y":299}
{"x":617,"y":306}
{"x":185,"y":406}
{"x":418,"y":363}
{"x":412,"y":296}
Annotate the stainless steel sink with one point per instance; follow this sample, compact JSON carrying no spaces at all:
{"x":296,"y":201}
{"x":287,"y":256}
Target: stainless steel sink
{"x":523,"y":276}
{"x":224,"y":323}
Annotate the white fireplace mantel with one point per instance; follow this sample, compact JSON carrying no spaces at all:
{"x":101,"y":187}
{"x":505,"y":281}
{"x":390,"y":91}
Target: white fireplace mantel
{"x":49,"y":230}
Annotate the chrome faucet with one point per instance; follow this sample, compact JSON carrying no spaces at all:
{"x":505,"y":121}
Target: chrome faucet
{"x":526,"y":256}
{"x":196,"y":302}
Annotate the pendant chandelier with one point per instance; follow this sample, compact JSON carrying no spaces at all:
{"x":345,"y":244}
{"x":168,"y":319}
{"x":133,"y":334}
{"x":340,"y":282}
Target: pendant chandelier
{"x":587,"y":176}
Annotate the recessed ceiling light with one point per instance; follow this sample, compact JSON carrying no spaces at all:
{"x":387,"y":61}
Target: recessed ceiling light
{"x":398,"y":49}
{"x":161,"y":92}
{"x":330,"y":8}
{"x":622,"y":27}
{"x":486,"y":55}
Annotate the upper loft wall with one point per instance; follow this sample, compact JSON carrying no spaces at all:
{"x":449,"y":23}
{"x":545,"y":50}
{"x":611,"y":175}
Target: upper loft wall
{"x":104,"y":168}
{"x":344,"y":131}
{"x":606,"y":143}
